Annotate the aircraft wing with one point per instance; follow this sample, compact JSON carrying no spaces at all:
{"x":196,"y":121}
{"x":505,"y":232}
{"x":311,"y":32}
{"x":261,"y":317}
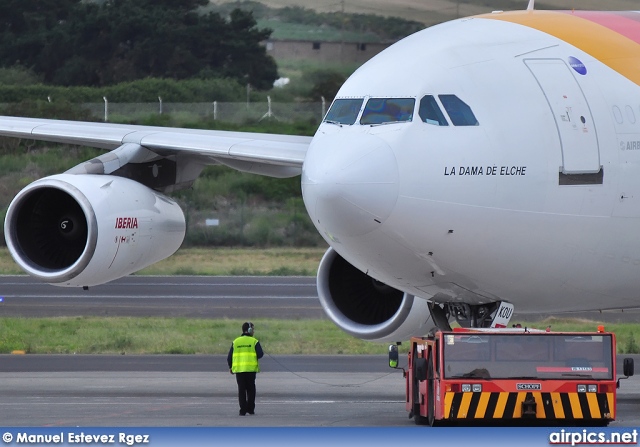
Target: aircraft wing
{"x":240,"y":150}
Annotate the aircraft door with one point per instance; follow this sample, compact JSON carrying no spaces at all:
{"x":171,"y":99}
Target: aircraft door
{"x":576,"y":129}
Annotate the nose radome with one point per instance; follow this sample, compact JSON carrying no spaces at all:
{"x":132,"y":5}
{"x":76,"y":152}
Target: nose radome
{"x":349,"y":183}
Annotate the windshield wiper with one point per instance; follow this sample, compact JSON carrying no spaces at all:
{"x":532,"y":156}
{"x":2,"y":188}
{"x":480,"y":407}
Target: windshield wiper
{"x":386,"y":122}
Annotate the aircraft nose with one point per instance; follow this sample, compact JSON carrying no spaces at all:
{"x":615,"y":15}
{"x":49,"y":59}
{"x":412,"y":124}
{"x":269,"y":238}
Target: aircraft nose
{"x":349,"y":183}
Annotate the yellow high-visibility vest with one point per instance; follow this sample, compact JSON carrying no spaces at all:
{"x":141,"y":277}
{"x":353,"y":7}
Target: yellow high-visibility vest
{"x":244,"y":357}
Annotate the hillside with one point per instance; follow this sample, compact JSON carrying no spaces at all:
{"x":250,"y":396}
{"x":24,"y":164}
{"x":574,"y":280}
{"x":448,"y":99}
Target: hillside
{"x":430,"y":12}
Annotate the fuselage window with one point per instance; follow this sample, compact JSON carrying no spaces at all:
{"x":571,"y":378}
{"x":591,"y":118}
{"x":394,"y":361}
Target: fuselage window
{"x":388,"y":110}
{"x":344,"y":111}
{"x":459,"y":112}
{"x":430,"y":112}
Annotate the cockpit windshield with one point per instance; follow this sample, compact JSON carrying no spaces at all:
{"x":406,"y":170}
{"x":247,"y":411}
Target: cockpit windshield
{"x":344,"y":111}
{"x":430,"y":112}
{"x":458,"y":110}
{"x":388,"y":110}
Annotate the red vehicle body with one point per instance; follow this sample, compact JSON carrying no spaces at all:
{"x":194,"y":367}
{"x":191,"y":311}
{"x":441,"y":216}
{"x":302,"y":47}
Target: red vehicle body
{"x":510,"y":374}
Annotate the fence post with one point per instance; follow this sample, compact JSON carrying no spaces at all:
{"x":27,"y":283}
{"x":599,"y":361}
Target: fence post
{"x":269,"y":113}
{"x":215,"y":110}
{"x":160,"y":100}
{"x":106,"y":109}
{"x":324,"y":108}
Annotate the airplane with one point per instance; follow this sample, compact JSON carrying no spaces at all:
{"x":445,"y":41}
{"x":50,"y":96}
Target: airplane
{"x":479,"y":165}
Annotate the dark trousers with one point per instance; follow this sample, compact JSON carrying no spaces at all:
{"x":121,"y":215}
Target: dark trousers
{"x":246,"y":392}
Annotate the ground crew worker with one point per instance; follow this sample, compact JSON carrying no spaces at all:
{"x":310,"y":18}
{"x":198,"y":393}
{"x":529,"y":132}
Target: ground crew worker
{"x":393,"y":356}
{"x":243,"y":362}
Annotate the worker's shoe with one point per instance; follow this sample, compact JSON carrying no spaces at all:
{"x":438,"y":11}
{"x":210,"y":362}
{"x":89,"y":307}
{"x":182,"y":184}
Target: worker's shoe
{"x":242,"y":413}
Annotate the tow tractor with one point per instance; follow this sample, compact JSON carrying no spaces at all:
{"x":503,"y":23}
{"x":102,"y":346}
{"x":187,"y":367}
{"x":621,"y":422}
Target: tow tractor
{"x":511,"y":374}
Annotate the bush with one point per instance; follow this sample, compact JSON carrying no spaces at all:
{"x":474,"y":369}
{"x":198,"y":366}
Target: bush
{"x":35,"y":108}
{"x":18,"y":75}
{"x":326,"y":83}
{"x":144,"y":90}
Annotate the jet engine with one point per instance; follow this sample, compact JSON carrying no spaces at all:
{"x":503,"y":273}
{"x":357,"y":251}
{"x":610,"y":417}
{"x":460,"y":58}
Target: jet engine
{"x":366,"y":308}
{"x":83,"y":230}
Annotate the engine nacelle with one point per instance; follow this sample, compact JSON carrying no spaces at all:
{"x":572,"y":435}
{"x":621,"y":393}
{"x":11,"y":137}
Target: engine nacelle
{"x":84,"y":230}
{"x":366,"y":308}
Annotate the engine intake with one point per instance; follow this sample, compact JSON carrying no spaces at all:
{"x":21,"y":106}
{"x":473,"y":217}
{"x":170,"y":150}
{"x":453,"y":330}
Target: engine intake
{"x":366,"y":308}
{"x":51,"y":229}
{"x":83,"y":230}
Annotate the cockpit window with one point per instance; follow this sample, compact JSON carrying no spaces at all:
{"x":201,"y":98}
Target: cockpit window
{"x":459,"y":112}
{"x":430,"y":112}
{"x":388,"y":110}
{"x":344,"y":111}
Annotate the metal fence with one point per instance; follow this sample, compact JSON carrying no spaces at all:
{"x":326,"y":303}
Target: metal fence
{"x":233,"y":112}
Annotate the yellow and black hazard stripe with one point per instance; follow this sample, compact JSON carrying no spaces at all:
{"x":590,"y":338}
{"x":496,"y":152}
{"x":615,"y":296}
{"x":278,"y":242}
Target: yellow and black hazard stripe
{"x":505,"y":405}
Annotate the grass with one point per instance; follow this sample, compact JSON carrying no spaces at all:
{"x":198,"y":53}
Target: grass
{"x":98,"y":335}
{"x":239,"y":261}
{"x":120,"y":335}
{"x":221,"y":262}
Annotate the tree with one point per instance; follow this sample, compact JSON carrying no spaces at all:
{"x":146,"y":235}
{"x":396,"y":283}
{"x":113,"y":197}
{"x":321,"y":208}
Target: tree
{"x":326,"y":83}
{"x":82,"y":43}
{"x":24,"y":25}
{"x":244,"y":52}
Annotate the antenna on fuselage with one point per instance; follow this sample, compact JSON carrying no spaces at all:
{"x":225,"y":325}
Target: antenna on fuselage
{"x":530,"y":7}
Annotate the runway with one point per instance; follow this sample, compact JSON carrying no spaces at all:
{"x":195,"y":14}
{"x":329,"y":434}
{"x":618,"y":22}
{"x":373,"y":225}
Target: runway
{"x":241,"y":297}
{"x":198,"y":391}
{"x":195,"y":391}
{"x":247,"y":297}
{"x":190,"y":391}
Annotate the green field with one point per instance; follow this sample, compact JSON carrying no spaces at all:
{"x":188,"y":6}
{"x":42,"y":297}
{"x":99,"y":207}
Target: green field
{"x":284,"y":261}
{"x":102,"y":335}
{"x":97,"y":335}
{"x":240,"y":261}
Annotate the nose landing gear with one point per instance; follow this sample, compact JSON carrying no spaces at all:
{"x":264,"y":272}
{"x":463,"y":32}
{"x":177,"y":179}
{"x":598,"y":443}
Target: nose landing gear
{"x":494,"y":314}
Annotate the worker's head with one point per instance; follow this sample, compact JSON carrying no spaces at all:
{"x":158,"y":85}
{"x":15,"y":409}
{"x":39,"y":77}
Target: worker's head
{"x":247,"y":328}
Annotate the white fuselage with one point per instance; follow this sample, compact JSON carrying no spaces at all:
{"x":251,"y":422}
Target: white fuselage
{"x":479,"y":213}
